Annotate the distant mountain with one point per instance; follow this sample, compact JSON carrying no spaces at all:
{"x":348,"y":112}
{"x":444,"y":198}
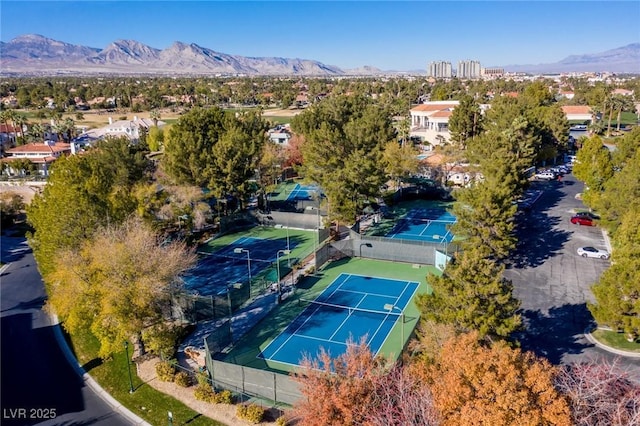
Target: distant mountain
{"x":621,"y":60}
{"x":35,"y":54}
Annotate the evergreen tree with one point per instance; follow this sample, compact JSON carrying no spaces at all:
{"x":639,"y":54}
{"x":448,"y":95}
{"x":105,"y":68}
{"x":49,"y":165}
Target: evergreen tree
{"x":344,"y":140}
{"x":472,"y":294}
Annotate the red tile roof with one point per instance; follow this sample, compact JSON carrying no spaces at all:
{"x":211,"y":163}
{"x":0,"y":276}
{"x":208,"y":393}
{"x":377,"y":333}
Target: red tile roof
{"x":576,"y":109}
{"x":40,"y":147}
{"x":5,"y":128}
{"x":433,"y":107}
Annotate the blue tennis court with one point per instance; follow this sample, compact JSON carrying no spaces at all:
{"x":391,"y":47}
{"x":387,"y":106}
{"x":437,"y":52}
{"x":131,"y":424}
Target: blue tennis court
{"x":302,"y":192}
{"x":351,"y":307}
{"x":215,"y":270}
{"x":427,"y":224}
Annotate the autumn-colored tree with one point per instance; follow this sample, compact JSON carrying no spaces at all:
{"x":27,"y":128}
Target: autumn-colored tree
{"x":357,"y":388}
{"x":600,"y":393}
{"x":335,"y":391}
{"x":117,"y":283}
{"x":478,"y":384}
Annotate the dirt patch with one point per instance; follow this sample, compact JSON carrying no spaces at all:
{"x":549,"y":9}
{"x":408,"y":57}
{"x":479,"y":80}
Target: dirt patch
{"x":223,"y":413}
{"x":26,"y":192}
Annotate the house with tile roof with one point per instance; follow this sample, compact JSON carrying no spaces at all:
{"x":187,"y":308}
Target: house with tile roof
{"x":578,"y":113}
{"x":40,"y":154}
{"x":430,"y":121}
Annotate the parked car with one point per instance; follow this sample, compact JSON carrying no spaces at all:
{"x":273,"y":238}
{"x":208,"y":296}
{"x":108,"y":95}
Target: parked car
{"x":545,"y":175}
{"x":593,"y":252}
{"x":582,"y":220}
{"x":588,"y":215}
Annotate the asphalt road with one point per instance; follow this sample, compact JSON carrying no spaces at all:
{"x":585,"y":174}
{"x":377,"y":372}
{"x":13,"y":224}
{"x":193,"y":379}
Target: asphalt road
{"x":38,"y":384}
{"x":552,"y":282}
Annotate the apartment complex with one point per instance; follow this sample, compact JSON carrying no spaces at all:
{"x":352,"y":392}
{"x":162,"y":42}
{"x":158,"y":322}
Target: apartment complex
{"x":469,"y":69}
{"x":440,"y":69}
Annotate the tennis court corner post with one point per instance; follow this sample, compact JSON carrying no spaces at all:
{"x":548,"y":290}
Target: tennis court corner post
{"x":389,"y":307}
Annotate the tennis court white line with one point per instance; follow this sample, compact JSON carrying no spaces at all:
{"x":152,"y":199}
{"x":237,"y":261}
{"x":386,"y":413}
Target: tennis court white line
{"x":368,"y":294}
{"x":345,"y":320}
{"x":295,"y":332}
{"x":400,"y":317}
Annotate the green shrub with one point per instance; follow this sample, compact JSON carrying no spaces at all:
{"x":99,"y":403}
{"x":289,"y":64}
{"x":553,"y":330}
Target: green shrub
{"x":204,"y":393}
{"x":252,"y":413}
{"x":202,"y":377}
{"x":223,"y":397}
{"x":166,"y":371}
{"x":183,"y":379}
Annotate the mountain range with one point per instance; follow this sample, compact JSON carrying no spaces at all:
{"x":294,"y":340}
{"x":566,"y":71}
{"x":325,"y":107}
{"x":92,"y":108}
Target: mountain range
{"x":33,"y":54}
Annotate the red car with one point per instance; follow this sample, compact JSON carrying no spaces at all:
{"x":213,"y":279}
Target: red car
{"x":582,"y":220}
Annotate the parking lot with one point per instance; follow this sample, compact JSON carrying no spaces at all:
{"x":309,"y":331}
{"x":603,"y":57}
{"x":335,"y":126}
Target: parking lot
{"x":551,"y":280}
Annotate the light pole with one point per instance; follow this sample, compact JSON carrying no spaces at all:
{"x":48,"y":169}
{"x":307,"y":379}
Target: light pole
{"x":126,"y":351}
{"x":316,"y":240}
{"x":366,"y":245}
{"x":278,"y":268}
{"x":170,"y":418}
{"x":241,"y":250}
{"x":390,"y":307}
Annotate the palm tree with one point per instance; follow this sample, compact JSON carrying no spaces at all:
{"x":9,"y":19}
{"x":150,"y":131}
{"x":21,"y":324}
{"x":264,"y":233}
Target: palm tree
{"x":36,"y":133}
{"x":20,"y":121}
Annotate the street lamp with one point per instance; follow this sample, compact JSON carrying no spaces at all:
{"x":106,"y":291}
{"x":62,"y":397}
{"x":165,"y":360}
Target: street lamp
{"x":241,"y":250}
{"x":366,"y":245}
{"x":170,"y":418}
{"x":229,"y":287}
{"x":126,"y":350}
{"x":390,"y":307}
{"x":278,"y":267}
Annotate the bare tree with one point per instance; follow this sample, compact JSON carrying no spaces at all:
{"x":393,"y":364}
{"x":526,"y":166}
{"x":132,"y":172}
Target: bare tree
{"x":601,"y":393}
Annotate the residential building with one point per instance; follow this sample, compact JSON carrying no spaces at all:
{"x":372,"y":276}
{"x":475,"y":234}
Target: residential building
{"x":578,"y":113}
{"x":492,"y":72}
{"x":280,"y":134}
{"x":132,"y":129}
{"x":41,"y":155}
{"x":430,"y":121}
{"x":440,"y":69}
{"x":469,"y":69}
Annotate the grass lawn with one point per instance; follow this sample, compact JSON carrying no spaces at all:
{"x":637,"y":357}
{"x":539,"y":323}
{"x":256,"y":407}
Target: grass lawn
{"x":616,"y":340}
{"x":145,"y":401}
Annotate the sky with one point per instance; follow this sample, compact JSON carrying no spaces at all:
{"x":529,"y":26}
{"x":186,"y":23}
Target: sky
{"x":390,"y":35}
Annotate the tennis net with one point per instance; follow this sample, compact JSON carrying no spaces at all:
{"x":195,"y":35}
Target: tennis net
{"x":385,"y":309}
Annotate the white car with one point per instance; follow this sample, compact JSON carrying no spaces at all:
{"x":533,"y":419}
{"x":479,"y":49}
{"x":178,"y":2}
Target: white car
{"x":546,"y":175}
{"x":593,"y":252}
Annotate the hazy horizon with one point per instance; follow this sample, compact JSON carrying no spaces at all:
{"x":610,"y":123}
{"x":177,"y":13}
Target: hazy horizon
{"x":404,"y":35}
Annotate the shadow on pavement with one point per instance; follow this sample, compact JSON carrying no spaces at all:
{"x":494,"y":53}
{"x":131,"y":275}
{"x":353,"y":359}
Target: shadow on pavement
{"x":556,"y":333}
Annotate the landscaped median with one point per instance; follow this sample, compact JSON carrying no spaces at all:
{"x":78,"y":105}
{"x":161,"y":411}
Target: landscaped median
{"x":614,"y":342}
{"x":113,"y":376}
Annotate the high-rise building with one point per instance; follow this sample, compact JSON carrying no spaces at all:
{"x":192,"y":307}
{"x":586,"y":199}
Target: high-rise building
{"x":469,"y":69}
{"x":440,"y":69}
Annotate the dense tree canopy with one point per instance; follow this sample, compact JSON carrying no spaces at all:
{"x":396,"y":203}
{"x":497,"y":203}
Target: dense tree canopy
{"x":495,"y":385}
{"x":344,"y":140}
{"x":465,"y":122}
{"x":215,"y":149}
{"x":470,"y":295}
{"x":83,"y":193}
{"x":116,"y":283}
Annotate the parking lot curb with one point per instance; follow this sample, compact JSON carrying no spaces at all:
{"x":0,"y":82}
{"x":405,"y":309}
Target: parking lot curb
{"x":627,"y":354}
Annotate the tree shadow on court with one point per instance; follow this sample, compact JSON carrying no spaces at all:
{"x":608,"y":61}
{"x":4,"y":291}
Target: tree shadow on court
{"x":556,"y":333}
